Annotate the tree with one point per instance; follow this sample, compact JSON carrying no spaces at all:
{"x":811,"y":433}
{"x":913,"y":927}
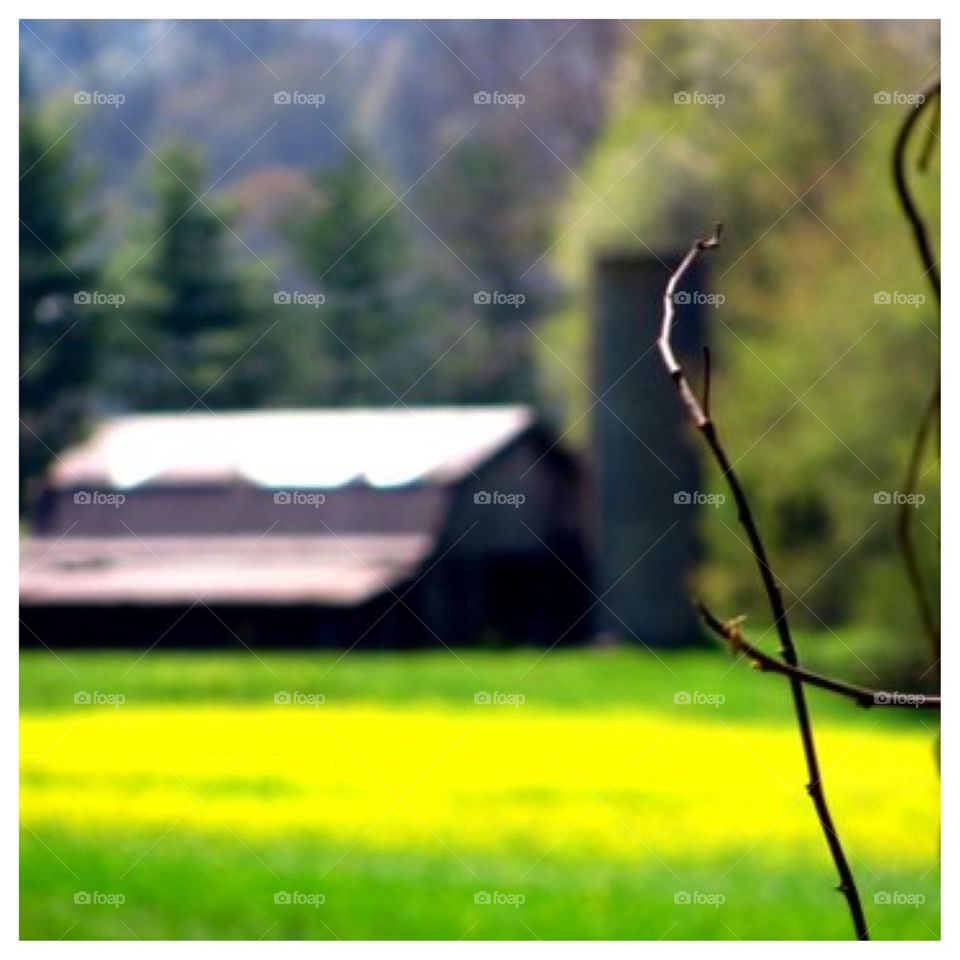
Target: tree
{"x":358,"y":342}
{"x":813,"y":125}
{"x":58,"y":313}
{"x":190,"y":340}
{"x":490,"y":200}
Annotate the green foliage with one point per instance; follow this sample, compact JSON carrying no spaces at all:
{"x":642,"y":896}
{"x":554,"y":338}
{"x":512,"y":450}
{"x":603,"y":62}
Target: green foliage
{"x":352,"y":247}
{"x":817,"y":387}
{"x":491,"y":203}
{"x":184,"y":339}
{"x":58,"y":327}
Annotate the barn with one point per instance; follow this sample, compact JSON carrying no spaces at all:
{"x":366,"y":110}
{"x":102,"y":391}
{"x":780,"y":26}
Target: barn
{"x":369,"y":528}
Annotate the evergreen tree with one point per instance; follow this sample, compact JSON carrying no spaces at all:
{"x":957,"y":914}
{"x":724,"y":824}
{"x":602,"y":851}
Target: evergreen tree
{"x":58,"y":315}
{"x":192,"y":341}
{"x":351,"y":249}
{"x":490,"y":202}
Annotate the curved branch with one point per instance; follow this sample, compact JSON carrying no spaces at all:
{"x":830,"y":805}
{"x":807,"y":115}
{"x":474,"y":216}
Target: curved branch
{"x":730,"y":632}
{"x":921,"y":237}
{"x":905,"y":515}
{"x":687,"y":396}
{"x":704,"y":424}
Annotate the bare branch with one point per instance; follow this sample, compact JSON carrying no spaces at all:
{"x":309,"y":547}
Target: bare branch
{"x":905,"y":516}
{"x":697,"y":412}
{"x":921,"y":236}
{"x":704,"y":424}
{"x":729,"y":631}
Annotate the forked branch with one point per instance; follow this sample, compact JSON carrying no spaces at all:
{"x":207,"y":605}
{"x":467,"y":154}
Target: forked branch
{"x":731,"y":633}
{"x":699,"y":414}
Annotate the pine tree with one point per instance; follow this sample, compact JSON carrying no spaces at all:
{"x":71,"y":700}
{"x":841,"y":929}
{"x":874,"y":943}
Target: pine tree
{"x":351,"y":248}
{"x":192,"y":341}
{"x":58,"y":317}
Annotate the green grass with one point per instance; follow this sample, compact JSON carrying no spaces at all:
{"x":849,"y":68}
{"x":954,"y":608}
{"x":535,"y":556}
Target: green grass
{"x":582,"y":679}
{"x":184,"y":880}
{"x":196,"y":888}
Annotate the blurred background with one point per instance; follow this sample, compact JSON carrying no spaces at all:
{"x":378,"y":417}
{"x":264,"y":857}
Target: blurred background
{"x":472,"y":220}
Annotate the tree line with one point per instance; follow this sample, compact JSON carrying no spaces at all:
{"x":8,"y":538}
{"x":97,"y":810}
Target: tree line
{"x":163,"y":306}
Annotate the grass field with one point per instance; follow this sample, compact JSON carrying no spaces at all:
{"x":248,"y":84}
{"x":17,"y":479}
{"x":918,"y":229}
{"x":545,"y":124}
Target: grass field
{"x":372,"y":796}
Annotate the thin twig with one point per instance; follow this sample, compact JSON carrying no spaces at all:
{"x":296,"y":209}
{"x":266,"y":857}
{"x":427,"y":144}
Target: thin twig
{"x":788,"y":652}
{"x":921,"y":236}
{"x":729,"y":630}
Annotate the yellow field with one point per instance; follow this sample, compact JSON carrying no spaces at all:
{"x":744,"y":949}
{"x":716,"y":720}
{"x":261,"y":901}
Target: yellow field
{"x":626,"y":785}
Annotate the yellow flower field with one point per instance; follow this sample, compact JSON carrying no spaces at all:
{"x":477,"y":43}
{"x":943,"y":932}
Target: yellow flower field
{"x":614,"y":801}
{"x":622,"y":784}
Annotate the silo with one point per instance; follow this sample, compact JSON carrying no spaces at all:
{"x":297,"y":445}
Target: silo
{"x":646,"y":473}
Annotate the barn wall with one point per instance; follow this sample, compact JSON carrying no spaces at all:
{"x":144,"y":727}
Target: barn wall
{"x":532,"y":488}
{"x":240,"y":508}
{"x":513,"y":566}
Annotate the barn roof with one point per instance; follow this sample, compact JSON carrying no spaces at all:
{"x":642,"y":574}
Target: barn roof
{"x":340,"y":571}
{"x":319,"y":449}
